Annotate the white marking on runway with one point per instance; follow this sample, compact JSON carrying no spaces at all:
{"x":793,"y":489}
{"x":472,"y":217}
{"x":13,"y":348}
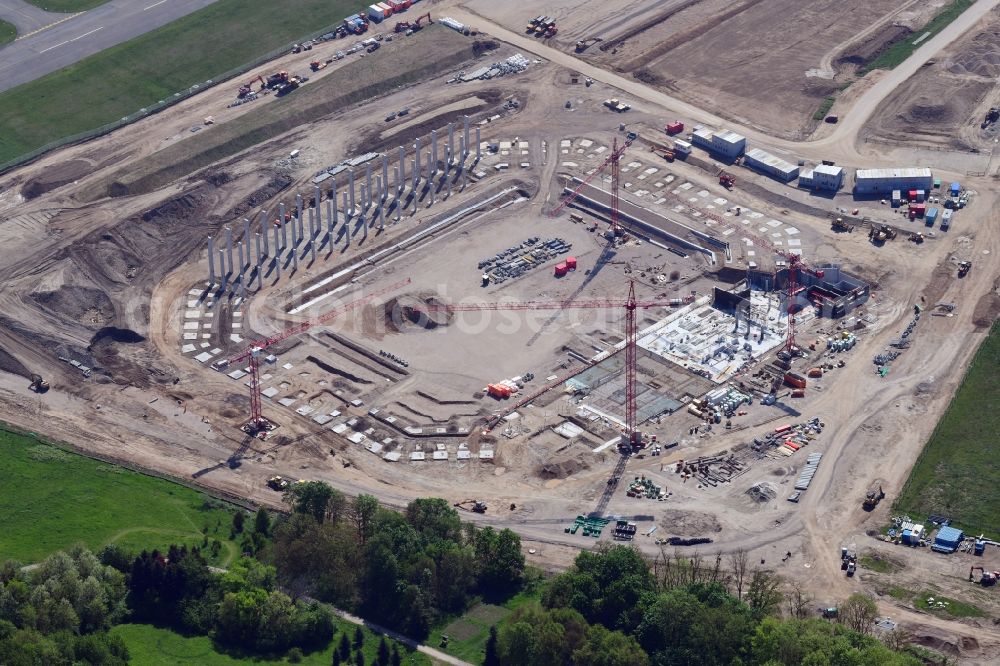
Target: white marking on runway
{"x":154,"y":5}
{"x":72,"y":40}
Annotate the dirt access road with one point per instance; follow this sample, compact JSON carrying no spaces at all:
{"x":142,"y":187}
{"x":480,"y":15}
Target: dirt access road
{"x":839,"y":145}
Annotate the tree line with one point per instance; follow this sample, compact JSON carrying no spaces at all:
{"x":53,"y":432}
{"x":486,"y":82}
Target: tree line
{"x":403,"y":570}
{"x":615,"y":608}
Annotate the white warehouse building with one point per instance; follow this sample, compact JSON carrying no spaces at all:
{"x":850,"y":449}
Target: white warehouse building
{"x":768,"y":164}
{"x":823,"y":177}
{"x":884,"y":181}
{"x":724,"y":142}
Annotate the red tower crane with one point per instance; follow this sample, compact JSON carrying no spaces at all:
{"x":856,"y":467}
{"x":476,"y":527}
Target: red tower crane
{"x":630,"y":305}
{"x":257,"y":423}
{"x":614,"y":160}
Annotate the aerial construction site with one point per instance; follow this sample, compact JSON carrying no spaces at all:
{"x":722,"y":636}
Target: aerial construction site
{"x":569,"y":272}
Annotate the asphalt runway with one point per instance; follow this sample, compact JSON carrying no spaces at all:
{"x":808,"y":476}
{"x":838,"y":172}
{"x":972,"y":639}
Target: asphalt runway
{"x":69,"y":38}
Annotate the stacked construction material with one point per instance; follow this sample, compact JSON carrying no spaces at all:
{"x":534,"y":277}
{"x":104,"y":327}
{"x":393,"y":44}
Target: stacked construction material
{"x":809,"y":471}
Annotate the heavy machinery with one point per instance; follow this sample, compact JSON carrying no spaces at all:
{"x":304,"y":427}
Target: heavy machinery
{"x":551,"y":31}
{"x":317,"y":65}
{"x":964,"y":268}
{"x":881,"y":233}
{"x":916,"y":237}
{"x":874,"y":496}
{"x":39,"y":385}
{"x":247,"y":88}
{"x":726,"y":179}
{"x":848,"y":560}
{"x":986,"y":578}
{"x":288,"y":86}
{"x":992,"y":116}
{"x":276,"y":80}
{"x":476,"y":506}
{"x":403,"y":26}
{"x":584,"y":44}
{"x":840,"y":225}
{"x":543,"y":26}
{"x":533,"y":23}
{"x":277,"y":483}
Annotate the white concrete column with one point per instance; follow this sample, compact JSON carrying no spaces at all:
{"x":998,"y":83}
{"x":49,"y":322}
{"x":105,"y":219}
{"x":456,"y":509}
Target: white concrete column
{"x":451,"y":140}
{"x":281,"y":223}
{"x":222,"y":272}
{"x":397,"y":189}
{"x":246,"y":233}
{"x":298,"y":217}
{"x":465,"y":135}
{"x":211,"y":261}
{"x":229,"y":249}
{"x":402,"y":165}
{"x":350,"y":191}
{"x":434,"y":147}
{"x":385,"y":173}
{"x":479,"y":146}
{"x":263,"y":230}
{"x":260,"y":253}
{"x":416,"y":163}
{"x":242,"y":264}
{"x":368,"y":184}
{"x":277,"y":248}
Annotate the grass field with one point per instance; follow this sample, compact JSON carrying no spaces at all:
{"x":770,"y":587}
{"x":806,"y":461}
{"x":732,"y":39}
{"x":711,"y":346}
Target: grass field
{"x":467,"y":634}
{"x":904,"y":48}
{"x":955,"y":475}
{"x":8,"y":33}
{"x":824,"y":108}
{"x":121,"y":80}
{"x":945,"y":606}
{"x":52,"y":499}
{"x":152,"y":646}
{"x":66,"y":5}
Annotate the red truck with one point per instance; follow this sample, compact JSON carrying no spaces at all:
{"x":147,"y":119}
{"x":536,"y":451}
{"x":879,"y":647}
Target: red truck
{"x":675,"y":127}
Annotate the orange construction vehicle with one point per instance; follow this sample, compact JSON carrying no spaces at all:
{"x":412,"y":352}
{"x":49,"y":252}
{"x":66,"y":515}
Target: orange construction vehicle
{"x":403,"y":26}
{"x":727,"y":179}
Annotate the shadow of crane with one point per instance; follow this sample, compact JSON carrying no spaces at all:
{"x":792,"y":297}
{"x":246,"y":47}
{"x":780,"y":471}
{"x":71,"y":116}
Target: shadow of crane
{"x":609,"y":491}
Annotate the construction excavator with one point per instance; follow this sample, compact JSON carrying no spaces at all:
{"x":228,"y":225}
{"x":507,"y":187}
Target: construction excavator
{"x":247,"y":88}
{"x":840,"y":225}
{"x":403,"y":26}
{"x":39,"y":385}
{"x":986,"y":578}
{"x":881,"y":233}
{"x":585,"y":44}
{"x":874,"y":496}
{"x":476,"y":506}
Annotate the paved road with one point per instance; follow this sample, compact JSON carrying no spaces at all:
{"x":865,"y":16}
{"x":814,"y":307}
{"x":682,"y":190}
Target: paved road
{"x":25,"y":17}
{"x":75,"y":36}
{"x":838,"y":145}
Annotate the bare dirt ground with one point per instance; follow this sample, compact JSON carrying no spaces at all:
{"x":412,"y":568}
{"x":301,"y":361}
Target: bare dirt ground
{"x":107,"y":282}
{"x":945,"y":106}
{"x":774,"y":80}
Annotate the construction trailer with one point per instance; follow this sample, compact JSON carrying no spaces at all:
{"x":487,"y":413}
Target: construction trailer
{"x":770,"y":165}
{"x":869,"y":182}
{"x":824,"y":177}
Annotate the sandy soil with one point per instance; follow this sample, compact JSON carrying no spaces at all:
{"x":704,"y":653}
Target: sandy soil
{"x":945,"y":106}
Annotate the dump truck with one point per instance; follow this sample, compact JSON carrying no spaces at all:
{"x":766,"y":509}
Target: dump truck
{"x":277,"y":483}
{"x":873,"y":497}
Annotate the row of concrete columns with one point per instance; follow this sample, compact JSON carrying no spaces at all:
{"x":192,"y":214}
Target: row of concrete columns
{"x":273,"y":246}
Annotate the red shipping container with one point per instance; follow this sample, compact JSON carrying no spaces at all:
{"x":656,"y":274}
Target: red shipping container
{"x":913,"y":195}
{"x":571,"y":263}
{"x":561,"y":270}
{"x":675,"y":127}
